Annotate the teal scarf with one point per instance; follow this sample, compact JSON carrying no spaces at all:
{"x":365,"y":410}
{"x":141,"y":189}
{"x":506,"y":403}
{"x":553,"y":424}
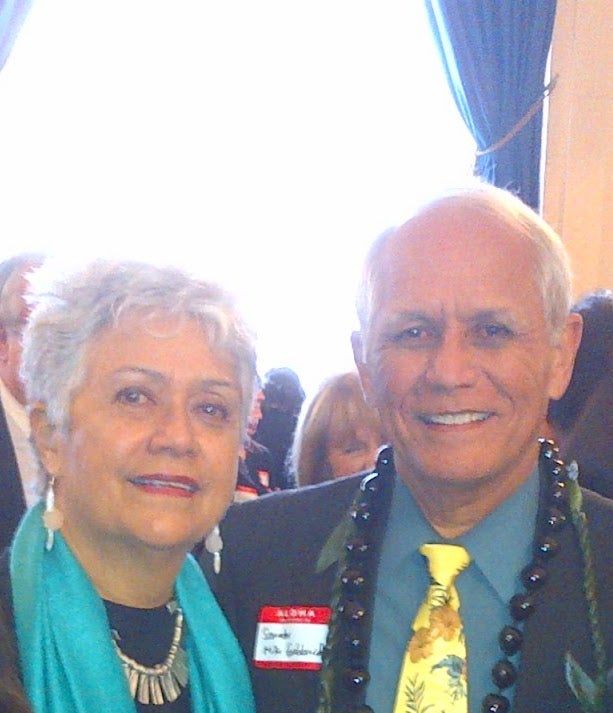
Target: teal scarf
{"x":67,"y":657}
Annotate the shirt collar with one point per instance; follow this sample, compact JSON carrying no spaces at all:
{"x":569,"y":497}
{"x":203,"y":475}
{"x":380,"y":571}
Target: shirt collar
{"x":499,"y":558}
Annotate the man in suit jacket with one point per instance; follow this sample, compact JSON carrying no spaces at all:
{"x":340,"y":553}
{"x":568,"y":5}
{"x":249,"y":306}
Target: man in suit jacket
{"x":465,"y":335}
{"x":18,"y":467}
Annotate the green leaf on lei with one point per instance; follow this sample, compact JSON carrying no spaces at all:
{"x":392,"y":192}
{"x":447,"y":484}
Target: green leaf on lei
{"x":585,"y":690}
{"x":575,"y":496}
{"x":334,"y":548}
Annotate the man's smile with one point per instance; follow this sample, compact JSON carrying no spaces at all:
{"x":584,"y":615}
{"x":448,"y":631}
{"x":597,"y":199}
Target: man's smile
{"x":459,"y":418}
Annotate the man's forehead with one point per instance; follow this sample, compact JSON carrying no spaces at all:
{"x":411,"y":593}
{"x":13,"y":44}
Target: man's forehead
{"x":456,"y":221}
{"x":454,"y":258}
{"x":448,"y":235}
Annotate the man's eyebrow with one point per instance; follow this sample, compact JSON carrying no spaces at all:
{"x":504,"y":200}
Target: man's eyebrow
{"x":494,"y":313}
{"x":406,"y":315}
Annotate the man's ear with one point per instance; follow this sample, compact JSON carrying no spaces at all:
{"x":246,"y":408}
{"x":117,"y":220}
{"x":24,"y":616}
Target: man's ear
{"x":47,"y":439}
{"x":566,"y":351}
{"x":359,"y":357}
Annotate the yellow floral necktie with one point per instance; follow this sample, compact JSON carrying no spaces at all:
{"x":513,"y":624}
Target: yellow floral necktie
{"x":433,"y":675}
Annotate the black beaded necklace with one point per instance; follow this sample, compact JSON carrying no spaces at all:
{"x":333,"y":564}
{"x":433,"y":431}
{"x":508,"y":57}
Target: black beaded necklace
{"x":344,"y":675}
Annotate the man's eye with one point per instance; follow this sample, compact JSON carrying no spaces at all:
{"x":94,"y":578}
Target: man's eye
{"x":409,"y":334}
{"x":492,"y":334}
{"x":496,"y":330}
{"x":131,"y":396}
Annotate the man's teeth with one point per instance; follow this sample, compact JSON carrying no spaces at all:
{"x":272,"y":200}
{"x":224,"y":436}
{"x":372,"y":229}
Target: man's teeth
{"x":456,"y":419}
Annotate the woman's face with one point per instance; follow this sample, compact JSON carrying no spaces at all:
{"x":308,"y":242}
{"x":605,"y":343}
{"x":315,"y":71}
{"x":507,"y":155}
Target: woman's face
{"x":150,"y":457}
{"x":351,"y":454}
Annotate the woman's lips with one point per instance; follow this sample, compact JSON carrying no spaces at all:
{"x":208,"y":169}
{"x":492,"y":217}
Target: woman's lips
{"x":160,"y":484}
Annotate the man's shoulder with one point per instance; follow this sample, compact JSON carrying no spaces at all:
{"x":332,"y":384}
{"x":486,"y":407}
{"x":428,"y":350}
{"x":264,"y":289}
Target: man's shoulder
{"x":255,"y":448}
{"x":329,"y":498}
{"x":289,"y":524}
{"x":596,"y":502}
{"x":599,"y":514}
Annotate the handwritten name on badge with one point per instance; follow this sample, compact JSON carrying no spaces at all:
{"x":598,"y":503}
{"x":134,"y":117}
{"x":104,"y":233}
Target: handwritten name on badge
{"x":291,"y":637}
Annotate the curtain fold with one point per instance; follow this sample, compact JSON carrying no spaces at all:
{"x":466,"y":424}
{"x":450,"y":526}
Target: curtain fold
{"x":12,"y":15}
{"x":495,"y":55}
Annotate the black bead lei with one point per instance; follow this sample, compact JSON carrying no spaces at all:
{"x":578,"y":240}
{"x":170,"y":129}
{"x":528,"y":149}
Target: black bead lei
{"x":344,"y":676}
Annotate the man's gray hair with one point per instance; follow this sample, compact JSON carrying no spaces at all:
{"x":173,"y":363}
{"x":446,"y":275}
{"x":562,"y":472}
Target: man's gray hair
{"x":552,"y":267}
{"x":71,"y":306}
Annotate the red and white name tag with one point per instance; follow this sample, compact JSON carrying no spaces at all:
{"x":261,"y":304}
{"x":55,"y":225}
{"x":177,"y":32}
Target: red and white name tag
{"x":291,"y":637}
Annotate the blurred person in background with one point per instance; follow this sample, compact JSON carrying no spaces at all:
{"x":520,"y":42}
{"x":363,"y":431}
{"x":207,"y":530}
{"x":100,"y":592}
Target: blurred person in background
{"x":582,"y":420}
{"x":338,"y":433}
{"x":12,"y":696}
{"x":20,"y":478}
{"x":255,"y":462}
{"x":283,"y":398}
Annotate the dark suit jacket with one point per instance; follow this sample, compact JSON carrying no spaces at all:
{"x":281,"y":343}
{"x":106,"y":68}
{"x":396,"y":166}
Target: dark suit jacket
{"x":271,"y":546}
{"x":12,"y":502}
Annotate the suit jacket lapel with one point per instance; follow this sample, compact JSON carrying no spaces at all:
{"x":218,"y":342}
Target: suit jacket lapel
{"x":343,"y":694}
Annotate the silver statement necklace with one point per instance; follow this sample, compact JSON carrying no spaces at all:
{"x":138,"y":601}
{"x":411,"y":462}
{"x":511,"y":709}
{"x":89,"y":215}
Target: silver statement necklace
{"x":163,"y":682}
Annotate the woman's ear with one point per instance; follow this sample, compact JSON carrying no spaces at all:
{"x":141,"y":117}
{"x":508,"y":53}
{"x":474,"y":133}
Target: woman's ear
{"x":47,"y":439}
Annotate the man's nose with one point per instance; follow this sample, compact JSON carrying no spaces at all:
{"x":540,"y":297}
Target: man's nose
{"x":451,"y":362}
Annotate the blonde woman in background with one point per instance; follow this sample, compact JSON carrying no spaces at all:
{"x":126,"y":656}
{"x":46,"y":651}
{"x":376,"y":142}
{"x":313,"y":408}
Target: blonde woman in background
{"x":338,"y":433}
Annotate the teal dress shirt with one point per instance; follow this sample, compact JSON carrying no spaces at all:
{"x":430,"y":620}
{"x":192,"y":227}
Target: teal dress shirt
{"x":500,"y":547}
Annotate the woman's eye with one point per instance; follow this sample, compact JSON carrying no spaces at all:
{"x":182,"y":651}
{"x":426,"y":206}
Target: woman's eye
{"x":131,"y":396}
{"x":213,"y":410}
{"x":353,"y":446}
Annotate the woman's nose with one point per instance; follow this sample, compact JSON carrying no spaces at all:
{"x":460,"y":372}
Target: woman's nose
{"x":174,"y":431}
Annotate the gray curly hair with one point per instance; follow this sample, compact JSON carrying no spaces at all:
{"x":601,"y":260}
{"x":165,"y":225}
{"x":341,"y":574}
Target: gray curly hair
{"x":71,"y":306}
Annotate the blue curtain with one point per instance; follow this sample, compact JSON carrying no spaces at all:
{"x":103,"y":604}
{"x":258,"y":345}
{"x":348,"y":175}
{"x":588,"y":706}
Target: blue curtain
{"x":495,"y":54}
{"x":12,"y":15}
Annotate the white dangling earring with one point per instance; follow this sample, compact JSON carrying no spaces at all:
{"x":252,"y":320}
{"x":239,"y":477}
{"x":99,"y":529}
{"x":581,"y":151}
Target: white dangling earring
{"x":53,"y":518}
{"x":214,"y":544}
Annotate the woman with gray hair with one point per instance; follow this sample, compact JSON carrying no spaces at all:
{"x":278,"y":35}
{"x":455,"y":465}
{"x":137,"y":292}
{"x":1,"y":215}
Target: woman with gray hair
{"x":139,"y":380}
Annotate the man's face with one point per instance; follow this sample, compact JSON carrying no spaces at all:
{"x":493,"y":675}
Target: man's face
{"x":458,"y":357}
{"x":11,"y":333}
